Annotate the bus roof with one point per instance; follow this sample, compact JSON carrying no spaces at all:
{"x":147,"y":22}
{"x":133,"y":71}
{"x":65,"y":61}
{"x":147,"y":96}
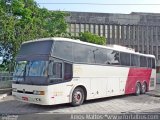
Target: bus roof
{"x":112,"y":47}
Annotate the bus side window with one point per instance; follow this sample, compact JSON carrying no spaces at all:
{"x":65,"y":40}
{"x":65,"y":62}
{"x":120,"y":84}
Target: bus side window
{"x":149,"y":63}
{"x":55,"y":70}
{"x":153,"y":63}
{"x":68,"y":71}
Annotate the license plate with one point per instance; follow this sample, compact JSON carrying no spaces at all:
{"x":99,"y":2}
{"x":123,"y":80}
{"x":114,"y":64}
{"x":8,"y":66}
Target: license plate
{"x":25,"y":98}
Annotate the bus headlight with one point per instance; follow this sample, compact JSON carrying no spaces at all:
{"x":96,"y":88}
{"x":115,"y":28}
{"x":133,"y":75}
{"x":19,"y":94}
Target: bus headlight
{"x":14,"y":89}
{"x":35,"y":92}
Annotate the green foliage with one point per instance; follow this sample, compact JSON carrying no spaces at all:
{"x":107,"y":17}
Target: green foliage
{"x":92,"y":38}
{"x":3,"y":68}
{"x":22,"y":20}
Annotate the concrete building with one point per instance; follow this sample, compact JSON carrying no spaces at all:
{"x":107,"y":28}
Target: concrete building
{"x":140,"y":31}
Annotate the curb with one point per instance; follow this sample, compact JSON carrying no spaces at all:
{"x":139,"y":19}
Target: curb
{"x":3,"y":96}
{"x":5,"y":92}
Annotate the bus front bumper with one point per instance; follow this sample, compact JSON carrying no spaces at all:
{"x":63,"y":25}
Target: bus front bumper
{"x":35,"y":99}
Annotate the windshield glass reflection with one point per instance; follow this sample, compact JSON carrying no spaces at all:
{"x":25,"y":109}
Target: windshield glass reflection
{"x":31,"y":68}
{"x":20,"y":68}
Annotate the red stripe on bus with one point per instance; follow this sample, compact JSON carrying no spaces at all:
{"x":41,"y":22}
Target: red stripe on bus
{"x":135,"y":75}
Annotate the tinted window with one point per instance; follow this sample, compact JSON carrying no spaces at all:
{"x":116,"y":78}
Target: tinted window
{"x":68,"y":71}
{"x":91,"y":55}
{"x":153,"y":63}
{"x":106,"y":56}
{"x":143,"y":61}
{"x":114,"y":56}
{"x":37,"y":47}
{"x":125,"y":58}
{"x":99,"y":55}
{"x":135,"y":60}
{"x":83,"y":53}
{"x":55,"y":70}
{"x":149,"y":62}
{"x":94,"y":55}
{"x":36,"y":68}
{"x":63,"y":50}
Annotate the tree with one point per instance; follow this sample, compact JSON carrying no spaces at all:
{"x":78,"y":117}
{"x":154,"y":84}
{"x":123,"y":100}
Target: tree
{"x":92,"y":38}
{"x":22,"y":20}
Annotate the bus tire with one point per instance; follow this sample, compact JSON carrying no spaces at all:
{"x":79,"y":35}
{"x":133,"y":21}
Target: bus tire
{"x":138,"y":89}
{"x":144,"y":88}
{"x":77,"y":96}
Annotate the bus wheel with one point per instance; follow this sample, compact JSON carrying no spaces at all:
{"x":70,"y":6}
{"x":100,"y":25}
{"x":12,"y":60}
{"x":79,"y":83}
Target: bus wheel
{"x":144,"y":88}
{"x":138,"y":89}
{"x":77,"y":96}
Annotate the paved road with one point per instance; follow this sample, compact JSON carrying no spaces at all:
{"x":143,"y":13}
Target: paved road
{"x":120,"y":104}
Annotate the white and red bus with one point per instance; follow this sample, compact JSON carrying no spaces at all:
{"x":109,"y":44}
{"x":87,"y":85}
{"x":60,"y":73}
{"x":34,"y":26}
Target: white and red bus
{"x":60,"y":70}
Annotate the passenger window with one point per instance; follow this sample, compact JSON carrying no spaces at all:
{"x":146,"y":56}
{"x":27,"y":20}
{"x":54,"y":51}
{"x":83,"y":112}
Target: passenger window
{"x":125,"y":59}
{"x":149,"y":63}
{"x":135,"y":60}
{"x":68,"y":73}
{"x":55,"y":71}
{"x":153,"y":63}
{"x":143,"y":61}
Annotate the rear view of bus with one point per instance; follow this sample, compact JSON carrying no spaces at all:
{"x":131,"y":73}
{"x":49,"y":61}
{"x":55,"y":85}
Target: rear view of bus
{"x":59,"y":70}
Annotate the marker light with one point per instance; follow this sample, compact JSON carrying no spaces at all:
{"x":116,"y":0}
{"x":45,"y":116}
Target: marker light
{"x":35,"y":92}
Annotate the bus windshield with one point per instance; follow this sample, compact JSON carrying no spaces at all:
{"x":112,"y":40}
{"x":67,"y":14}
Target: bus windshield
{"x":31,"y":68}
{"x":20,"y":68}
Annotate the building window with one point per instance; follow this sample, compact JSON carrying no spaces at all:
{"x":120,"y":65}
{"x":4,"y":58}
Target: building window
{"x":125,"y":32}
{"x":136,"y":48}
{"x":145,"y":33}
{"x":154,"y":33}
{"x":106,"y":31}
{"x":150,"y":49}
{"x":110,"y":30}
{"x":159,"y":50}
{"x":158,"y":33}
{"x":82,"y":27}
{"x":133,"y":32}
{"x":120,"y":35}
{"x":77,"y":30}
{"x":115,"y":31}
{"x":140,"y":48}
{"x":87,"y":27}
{"x":96,"y":29}
{"x":101,"y":30}
{"x":145,"y":49}
{"x":149,"y":33}
{"x":68,"y":28}
{"x":91,"y":28}
{"x":140,"y":34}
{"x":136,"y":33}
{"x":128,"y":32}
{"x":72,"y":29}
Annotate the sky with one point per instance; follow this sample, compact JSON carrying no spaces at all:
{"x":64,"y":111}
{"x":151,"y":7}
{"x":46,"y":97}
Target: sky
{"x":147,"y":6}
